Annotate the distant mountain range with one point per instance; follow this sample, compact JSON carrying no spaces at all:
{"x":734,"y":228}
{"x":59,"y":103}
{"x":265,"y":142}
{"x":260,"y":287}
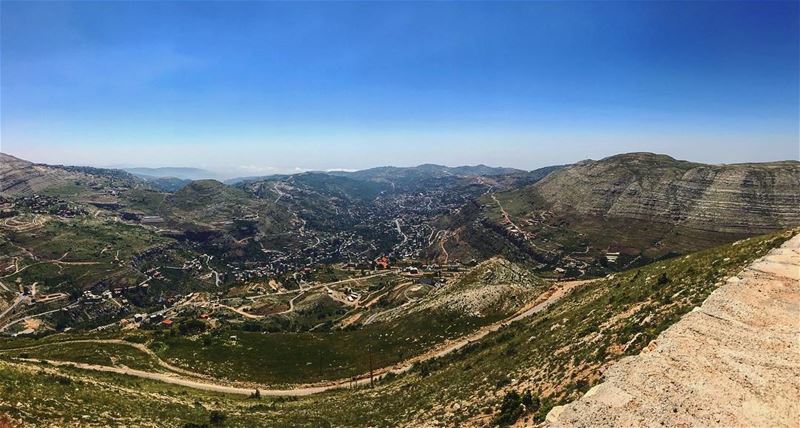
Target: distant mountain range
{"x":22,"y":176}
{"x":425,"y":171}
{"x":172,"y":172}
{"x":390,"y":173}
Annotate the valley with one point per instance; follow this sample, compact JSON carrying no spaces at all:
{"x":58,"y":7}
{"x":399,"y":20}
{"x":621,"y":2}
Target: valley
{"x":424,"y":295}
{"x":427,"y":214}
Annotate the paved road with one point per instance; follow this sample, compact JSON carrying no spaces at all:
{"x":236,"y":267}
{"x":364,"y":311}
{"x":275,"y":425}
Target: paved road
{"x":400,"y":231}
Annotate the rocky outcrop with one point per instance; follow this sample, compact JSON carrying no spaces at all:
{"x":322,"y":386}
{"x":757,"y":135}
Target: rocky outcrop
{"x":735,"y":361}
{"x":740,"y":198}
{"x":495,"y":287}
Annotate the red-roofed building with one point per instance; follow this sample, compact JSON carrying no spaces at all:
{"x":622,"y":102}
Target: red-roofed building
{"x":382,"y":262}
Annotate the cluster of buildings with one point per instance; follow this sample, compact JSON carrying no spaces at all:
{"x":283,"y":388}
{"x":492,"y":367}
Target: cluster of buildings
{"x":365,"y":236}
{"x":41,"y":204}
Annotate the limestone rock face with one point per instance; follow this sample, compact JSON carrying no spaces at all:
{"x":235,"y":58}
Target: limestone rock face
{"x":740,"y":198}
{"x":22,"y":177}
{"x":735,"y":361}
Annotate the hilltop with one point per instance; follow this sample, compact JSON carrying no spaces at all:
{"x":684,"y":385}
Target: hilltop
{"x":738,"y":198}
{"x":636,"y":206}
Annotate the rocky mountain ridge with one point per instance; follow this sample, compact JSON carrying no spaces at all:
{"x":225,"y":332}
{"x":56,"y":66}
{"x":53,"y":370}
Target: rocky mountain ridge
{"x":739,"y":198}
{"x":18,"y":176}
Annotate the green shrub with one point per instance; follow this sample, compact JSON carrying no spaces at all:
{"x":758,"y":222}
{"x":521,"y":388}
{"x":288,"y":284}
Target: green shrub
{"x":511,"y":409}
{"x":191,"y":327}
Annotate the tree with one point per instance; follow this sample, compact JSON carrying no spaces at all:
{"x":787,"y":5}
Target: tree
{"x":511,"y":409}
{"x":536,"y":404}
{"x":527,"y":399}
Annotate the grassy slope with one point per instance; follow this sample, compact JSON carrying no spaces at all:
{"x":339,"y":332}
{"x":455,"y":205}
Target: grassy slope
{"x":286,"y":358}
{"x":557,"y":354}
{"x":309,"y":357}
{"x":107,"y":355}
{"x":277,"y":358}
{"x":82,"y":240}
{"x":41,"y":398}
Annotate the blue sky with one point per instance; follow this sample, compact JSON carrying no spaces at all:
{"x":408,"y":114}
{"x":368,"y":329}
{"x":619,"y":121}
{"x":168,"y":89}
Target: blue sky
{"x":260,"y":87}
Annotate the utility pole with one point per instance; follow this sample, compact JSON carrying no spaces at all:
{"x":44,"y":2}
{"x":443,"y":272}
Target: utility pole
{"x":370,"y":369}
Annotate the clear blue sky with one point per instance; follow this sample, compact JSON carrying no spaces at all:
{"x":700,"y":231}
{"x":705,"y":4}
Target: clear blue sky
{"x":257,"y":87}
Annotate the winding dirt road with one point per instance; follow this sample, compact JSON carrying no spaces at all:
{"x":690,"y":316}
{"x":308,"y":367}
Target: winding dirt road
{"x":556,"y":293}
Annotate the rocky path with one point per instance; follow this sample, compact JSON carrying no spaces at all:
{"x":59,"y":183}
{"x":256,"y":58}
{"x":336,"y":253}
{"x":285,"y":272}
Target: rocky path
{"x":735,"y":361}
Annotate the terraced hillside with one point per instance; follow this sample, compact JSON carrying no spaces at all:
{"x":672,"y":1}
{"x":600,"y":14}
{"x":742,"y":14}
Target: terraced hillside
{"x":637,"y":206}
{"x":20,"y":177}
{"x":739,"y":198}
{"x":214,"y":205}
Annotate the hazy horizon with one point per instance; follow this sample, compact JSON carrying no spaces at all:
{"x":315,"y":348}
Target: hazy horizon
{"x":263,"y":88}
{"x":227,"y":174}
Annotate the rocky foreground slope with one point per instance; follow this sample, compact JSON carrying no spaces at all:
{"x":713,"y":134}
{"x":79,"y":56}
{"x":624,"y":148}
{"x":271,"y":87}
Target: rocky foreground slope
{"x":739,"y":198}
{"x":735,"y":361}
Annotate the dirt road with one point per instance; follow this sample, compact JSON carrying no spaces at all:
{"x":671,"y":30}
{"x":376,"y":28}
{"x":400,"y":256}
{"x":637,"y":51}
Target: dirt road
{"x":556,"y":293}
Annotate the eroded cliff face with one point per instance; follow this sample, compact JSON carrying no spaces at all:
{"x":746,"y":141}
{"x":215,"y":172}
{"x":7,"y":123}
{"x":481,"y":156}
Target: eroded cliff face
{"x":741,"y":198}
{"x":735,"y":361}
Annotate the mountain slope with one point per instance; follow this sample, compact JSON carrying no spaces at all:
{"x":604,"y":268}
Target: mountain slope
{"x":21,"y":177}
{"x":217,"y":205}
{"x":493,"y":289}
{"x":731,"y":361}
{"x":641,"y":205}
{"x":556,"y":355}
{"x":740,"y":198}
{"x":495,"y":285}
{"x":425,"y":171}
